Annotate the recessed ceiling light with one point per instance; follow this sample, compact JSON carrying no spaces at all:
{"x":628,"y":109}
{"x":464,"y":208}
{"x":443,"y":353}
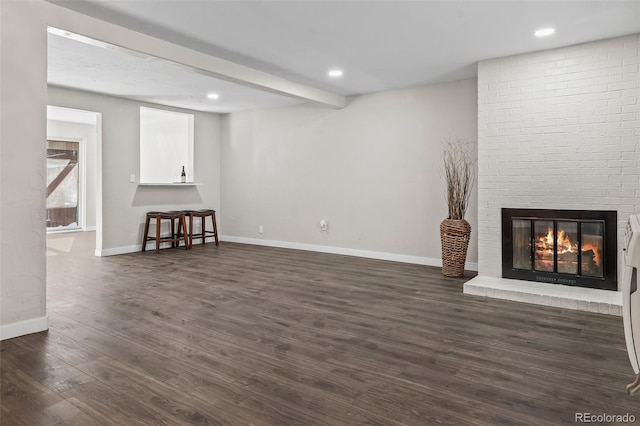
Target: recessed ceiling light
{"x":545,"y":32}
{"x":213,"y":96}
{"x":335,"y":73}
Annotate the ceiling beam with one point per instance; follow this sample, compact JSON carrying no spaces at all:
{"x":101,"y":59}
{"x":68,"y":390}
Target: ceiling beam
{"x":123,"y":38}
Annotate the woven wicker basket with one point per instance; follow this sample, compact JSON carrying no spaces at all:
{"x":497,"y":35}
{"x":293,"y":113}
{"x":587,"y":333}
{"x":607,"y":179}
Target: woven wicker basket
{"x":454,"y":236}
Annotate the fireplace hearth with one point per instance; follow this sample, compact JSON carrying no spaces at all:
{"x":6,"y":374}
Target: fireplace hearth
{"x":570,"y":247}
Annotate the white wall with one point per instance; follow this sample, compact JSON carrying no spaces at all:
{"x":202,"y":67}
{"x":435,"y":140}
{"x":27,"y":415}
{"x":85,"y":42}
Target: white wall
{"x":23,"y":98}
{"x":558,"y":129}
{"x":124,"y":204}
{"x":372,"y":170}
{"x":66,"y":130}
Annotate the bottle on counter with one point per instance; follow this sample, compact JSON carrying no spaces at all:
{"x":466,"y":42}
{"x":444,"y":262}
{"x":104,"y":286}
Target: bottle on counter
{"x":183,"y":176}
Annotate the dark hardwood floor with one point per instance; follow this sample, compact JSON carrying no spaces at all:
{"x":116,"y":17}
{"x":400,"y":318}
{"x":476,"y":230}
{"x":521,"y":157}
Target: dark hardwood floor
{"x":248,"y":335}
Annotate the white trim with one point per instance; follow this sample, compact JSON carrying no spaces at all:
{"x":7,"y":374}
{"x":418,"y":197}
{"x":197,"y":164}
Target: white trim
{"x":172,"y":184}
{"x":207,"y":240}
{"x":98,"y":187}
{"x":16,"y":329}
{"x":394,"y":257}
{"x":70,"y":230}
{"x":117,"y":250}
{"x":63,"y":230}
{"x":82,"y":159}
{"x":138,"y":247}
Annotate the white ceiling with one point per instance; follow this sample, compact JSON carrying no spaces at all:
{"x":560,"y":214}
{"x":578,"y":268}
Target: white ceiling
{"x":380,"y":45}
{"x":114,"y":71}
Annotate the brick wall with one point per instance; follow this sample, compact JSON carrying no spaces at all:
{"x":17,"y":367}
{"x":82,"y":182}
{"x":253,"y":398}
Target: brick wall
{"x":558,"y":129}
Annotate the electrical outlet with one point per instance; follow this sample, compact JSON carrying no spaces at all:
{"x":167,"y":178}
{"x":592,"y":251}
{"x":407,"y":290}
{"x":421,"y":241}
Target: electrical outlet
{"x":132,"y":178}
{"x":324,"y":225}
{"x":260,"y":229}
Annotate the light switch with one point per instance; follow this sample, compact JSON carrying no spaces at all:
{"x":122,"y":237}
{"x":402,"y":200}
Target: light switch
{"x":132,"y":178}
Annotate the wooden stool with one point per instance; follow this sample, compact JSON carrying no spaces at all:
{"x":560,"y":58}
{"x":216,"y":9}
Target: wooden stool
{"x":202,"y":214}
{"x":175,"y":238}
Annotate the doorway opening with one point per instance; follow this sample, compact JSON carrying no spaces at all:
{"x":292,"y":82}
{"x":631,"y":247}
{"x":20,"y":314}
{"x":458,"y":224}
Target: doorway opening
{"x":73,"y":172}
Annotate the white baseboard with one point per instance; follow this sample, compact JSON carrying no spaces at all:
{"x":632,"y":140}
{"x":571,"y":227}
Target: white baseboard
{"x":63,"y":230}
{"x":138,"y":247}
{"x":16,"y":329}
{"x":394,"y":257}
{"x":207,"y":240}
{"x":118,"y":250}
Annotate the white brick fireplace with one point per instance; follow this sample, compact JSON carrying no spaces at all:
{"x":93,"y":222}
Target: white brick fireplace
{"x":557,"y":129}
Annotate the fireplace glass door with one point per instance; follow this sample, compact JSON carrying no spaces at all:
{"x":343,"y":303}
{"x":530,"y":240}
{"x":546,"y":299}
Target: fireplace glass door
{"x":560,"y":246}
{"x":570,"y":247}
{"x":592,"y":242}
{"x":522,"y":243}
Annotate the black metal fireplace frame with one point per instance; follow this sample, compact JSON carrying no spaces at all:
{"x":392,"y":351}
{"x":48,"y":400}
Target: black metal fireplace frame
{"x":609,"y":281}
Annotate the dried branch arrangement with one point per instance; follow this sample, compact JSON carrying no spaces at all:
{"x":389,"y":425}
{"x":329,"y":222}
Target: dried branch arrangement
{"x":459,"y":170}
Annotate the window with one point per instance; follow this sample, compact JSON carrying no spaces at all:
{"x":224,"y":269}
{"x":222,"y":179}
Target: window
{"x":166,"y":145}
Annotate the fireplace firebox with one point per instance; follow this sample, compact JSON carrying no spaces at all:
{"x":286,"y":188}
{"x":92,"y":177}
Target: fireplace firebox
{"x":571,"y":247}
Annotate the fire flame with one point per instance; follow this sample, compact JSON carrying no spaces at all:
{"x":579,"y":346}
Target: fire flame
{"x":586,"y":246}
{"x":564,"y":245}
{"x":563,"y":242}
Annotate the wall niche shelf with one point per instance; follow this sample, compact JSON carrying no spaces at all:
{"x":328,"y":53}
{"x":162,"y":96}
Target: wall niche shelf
{"x":171,"y":184}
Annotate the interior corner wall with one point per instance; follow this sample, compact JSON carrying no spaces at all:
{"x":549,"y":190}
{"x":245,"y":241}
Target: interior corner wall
{"x":23,"y":97}
{"x":371,"y":169}
{"x":86,"y":132}
{"x":558,"y":129}
{"x":124,"y":204}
